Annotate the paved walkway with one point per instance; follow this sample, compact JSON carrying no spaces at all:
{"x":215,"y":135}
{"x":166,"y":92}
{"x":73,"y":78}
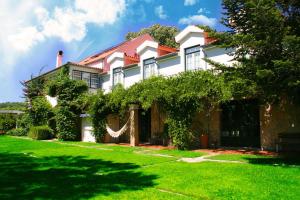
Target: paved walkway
{"x":206,"y":158}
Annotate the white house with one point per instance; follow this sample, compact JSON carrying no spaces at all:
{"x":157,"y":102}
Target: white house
{"x":140,"y":58}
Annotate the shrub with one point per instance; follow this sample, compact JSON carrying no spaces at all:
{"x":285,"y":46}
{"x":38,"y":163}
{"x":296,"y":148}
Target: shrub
{"x":40,"y":132}
{"x":7,"y":122}
{"x":24,"y":122}
{"x":67,"y":124}
{"x":17,"y":132}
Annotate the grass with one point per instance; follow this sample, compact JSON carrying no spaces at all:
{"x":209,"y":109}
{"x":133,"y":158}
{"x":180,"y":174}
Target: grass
{"x":72,"y":170}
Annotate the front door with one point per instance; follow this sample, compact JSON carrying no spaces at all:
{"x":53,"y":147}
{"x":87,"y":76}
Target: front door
{"x":240,"y":124}
{"x":145,"y":125}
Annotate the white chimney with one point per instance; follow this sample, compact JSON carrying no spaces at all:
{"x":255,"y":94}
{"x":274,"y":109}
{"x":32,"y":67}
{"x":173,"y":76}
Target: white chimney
{"x":59,"y":58}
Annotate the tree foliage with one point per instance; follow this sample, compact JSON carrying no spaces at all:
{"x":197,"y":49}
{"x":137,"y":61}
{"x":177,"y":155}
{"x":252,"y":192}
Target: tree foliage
{"x":266,"y":37}
{"x":181,"y":97}
{"x":38,"y":111}
{"x":70,"y":96}
{"x":13,"y":106}
{"x":165,"y":35}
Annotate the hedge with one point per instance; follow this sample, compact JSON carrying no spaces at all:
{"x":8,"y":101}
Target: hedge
{"x":40,"y":132}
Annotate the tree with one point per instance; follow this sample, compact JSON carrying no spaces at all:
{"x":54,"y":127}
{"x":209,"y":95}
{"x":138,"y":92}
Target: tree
{"x":70,"y":103}
{"x":165,"y":35}
{"x":265,"y":36}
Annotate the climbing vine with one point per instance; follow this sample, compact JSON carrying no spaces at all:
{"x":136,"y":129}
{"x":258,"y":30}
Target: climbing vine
{"x":181,"y":96}
{"x":71,"y":98}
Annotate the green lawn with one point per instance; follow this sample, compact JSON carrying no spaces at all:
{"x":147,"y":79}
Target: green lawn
{"x":73,"y":170}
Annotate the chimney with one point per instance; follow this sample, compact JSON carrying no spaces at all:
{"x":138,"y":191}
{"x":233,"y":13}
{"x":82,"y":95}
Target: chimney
{"x":59,"y":58}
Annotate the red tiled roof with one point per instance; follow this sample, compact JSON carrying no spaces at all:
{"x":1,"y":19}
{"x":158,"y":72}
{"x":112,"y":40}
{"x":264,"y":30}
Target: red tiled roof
{"x":128,"y":60}
{"x":163,"y":50}
{"x":208,"y":40}
{"x":128,"y":47}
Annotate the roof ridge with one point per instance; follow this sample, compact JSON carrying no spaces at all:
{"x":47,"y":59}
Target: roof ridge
{"x":114,"y":47}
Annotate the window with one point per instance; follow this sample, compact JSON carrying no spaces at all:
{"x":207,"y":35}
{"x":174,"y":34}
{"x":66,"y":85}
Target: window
{"x":91,"y":79}
{"x":192,"y":58}
{"x":76,"y":75}
{"x":149,"y":68}
{"x":117,"y":76}
{"x":86,"y":77}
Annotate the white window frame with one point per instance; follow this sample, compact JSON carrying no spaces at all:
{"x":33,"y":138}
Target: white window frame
{"x":192,"y":58}
{"x":118,"y":71}
{"x":149,"y":64}
{"x":91,"y":79}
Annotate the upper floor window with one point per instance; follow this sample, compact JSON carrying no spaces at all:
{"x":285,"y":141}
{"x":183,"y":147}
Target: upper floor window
{"x":117,"y":76}
{"x":192,"y":58}
{"x":91,"y":79}
{"x":149,"y":68}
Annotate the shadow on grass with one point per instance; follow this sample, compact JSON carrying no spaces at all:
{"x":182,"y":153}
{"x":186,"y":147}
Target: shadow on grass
{"x":66,"y":177}
{"x":286,"y":161}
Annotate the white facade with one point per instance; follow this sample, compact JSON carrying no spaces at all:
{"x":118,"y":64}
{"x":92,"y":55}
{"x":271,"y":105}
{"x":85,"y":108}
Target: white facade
{"x":170,"y":66}
{"x":87,"y":130}
{"x":166,"y":65}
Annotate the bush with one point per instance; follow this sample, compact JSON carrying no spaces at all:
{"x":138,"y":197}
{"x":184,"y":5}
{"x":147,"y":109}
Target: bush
{"x":24,"y":122}
{"x":180,"y":134}
{"x":7,"y":122}
{"x":67,"y":124}
{"x":40,"y":132}
{"x":17,"y":132}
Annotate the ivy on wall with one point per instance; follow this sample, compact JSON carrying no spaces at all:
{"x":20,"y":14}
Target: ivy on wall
{"x":181,"y":96}
{"x":71,"y":98}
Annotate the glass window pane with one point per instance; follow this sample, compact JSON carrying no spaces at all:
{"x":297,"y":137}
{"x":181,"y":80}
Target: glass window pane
{"x":192,"y":58}
{"x":149,"y":67}
{"x":117,"y":76}
{"x":76,"y":75}
{"x":86,"y":77}
{"x":95,"y":81}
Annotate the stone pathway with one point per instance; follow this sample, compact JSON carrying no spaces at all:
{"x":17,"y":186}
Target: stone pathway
{"x":148,"y":152}
{"x":206,"y":158}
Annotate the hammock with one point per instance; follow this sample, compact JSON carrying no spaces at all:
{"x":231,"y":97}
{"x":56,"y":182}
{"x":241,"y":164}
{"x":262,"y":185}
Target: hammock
{"x":116,"y":134}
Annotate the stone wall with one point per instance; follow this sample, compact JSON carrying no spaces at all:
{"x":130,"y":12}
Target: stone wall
{"x":157,"y":121}
{"x":275,"y":119}
{"x":211,"y":124}
{"x":113,"y":122}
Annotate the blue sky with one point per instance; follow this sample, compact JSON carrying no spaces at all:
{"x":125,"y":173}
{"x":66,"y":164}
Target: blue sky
{"x":33,"y":31}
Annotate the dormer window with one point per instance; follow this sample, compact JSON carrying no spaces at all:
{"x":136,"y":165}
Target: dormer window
{"x":149,"y":68}
{"x":117,"y":76}
{"x":192,"y":58}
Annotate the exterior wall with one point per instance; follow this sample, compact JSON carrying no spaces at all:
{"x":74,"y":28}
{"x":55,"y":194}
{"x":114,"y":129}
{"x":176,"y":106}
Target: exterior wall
{"x":147,"y":53}
{"x":113,"y":122}
{"x":72,"y":67}
{"x":202,"y":123}
{"x":157,"y":121}
{"x":52,"y":100}
{"x":106,"y":86}
{"x":86,"y":130}
{"x":170,"y":66}
{"x":97,"y":64}
{"x":219,"y":55}
{"x":117,"y":62}
{"x":276,"y":119}
{"x":191,"y":40}
{"x":131,"y":76}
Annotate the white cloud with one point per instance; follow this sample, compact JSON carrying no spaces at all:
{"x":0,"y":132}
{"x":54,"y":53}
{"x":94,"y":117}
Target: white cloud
{"x":198,"y":19}
{"x":190,"y":2}
{"x":25,"y":24}
{"x":67,"y":23}
{"x":203,"y":10}
{"x":159,"y":11}
{"x":17,"y":34}
{"x":25,"y":38}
